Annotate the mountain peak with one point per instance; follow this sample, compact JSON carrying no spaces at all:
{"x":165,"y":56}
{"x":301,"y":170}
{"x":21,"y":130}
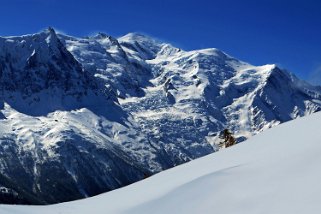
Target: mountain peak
{"x":51,"y":30}
{"x":140,"y":38}
{"x":52,"y":37}
{"x":136,"y":35}
{"x":146,"y":46}
{"x":101,"y":35}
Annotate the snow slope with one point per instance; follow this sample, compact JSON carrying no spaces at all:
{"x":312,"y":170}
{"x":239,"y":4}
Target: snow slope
{"x":276,"y":171}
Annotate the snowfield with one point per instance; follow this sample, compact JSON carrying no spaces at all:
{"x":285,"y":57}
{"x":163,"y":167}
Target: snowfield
{"x":277,"y":171}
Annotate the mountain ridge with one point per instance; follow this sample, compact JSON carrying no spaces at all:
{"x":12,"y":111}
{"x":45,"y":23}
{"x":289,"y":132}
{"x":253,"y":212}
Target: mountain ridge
{"x":98,"y":113}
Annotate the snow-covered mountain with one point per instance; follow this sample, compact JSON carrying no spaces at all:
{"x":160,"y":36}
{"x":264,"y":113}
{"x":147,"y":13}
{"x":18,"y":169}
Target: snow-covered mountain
{"x":82,"y":116}
{"x":276,"y":171}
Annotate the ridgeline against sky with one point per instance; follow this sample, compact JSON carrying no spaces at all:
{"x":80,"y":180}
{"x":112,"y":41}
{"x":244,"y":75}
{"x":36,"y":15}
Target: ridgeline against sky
{"x":261,"y":32}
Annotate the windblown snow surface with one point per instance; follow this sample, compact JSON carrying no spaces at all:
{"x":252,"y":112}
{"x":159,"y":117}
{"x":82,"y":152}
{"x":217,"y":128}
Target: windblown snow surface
{"x":276,"y":171}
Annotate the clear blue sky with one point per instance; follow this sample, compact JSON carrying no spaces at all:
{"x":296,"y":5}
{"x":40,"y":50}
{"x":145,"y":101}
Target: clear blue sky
{"x":259,"y":32}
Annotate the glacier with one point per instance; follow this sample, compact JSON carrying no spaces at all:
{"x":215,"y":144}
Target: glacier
{"x":83,"y":116}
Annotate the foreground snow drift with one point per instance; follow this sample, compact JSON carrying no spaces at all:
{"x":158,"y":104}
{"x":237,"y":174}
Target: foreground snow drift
{"x":277,"y":171}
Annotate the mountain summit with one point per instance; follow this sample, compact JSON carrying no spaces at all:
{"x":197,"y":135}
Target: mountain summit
{"x":82,"y":116}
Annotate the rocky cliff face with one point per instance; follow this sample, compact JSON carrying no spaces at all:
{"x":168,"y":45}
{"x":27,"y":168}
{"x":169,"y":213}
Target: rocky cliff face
{"x":82,"y":116}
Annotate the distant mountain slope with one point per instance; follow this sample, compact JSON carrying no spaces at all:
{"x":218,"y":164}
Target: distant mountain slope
{"x":276,"y":171}
{"x":220,"y":90}
{"x":82,"y":116}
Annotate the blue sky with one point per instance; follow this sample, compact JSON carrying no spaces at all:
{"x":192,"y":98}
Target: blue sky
{"x":263,"y":31}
